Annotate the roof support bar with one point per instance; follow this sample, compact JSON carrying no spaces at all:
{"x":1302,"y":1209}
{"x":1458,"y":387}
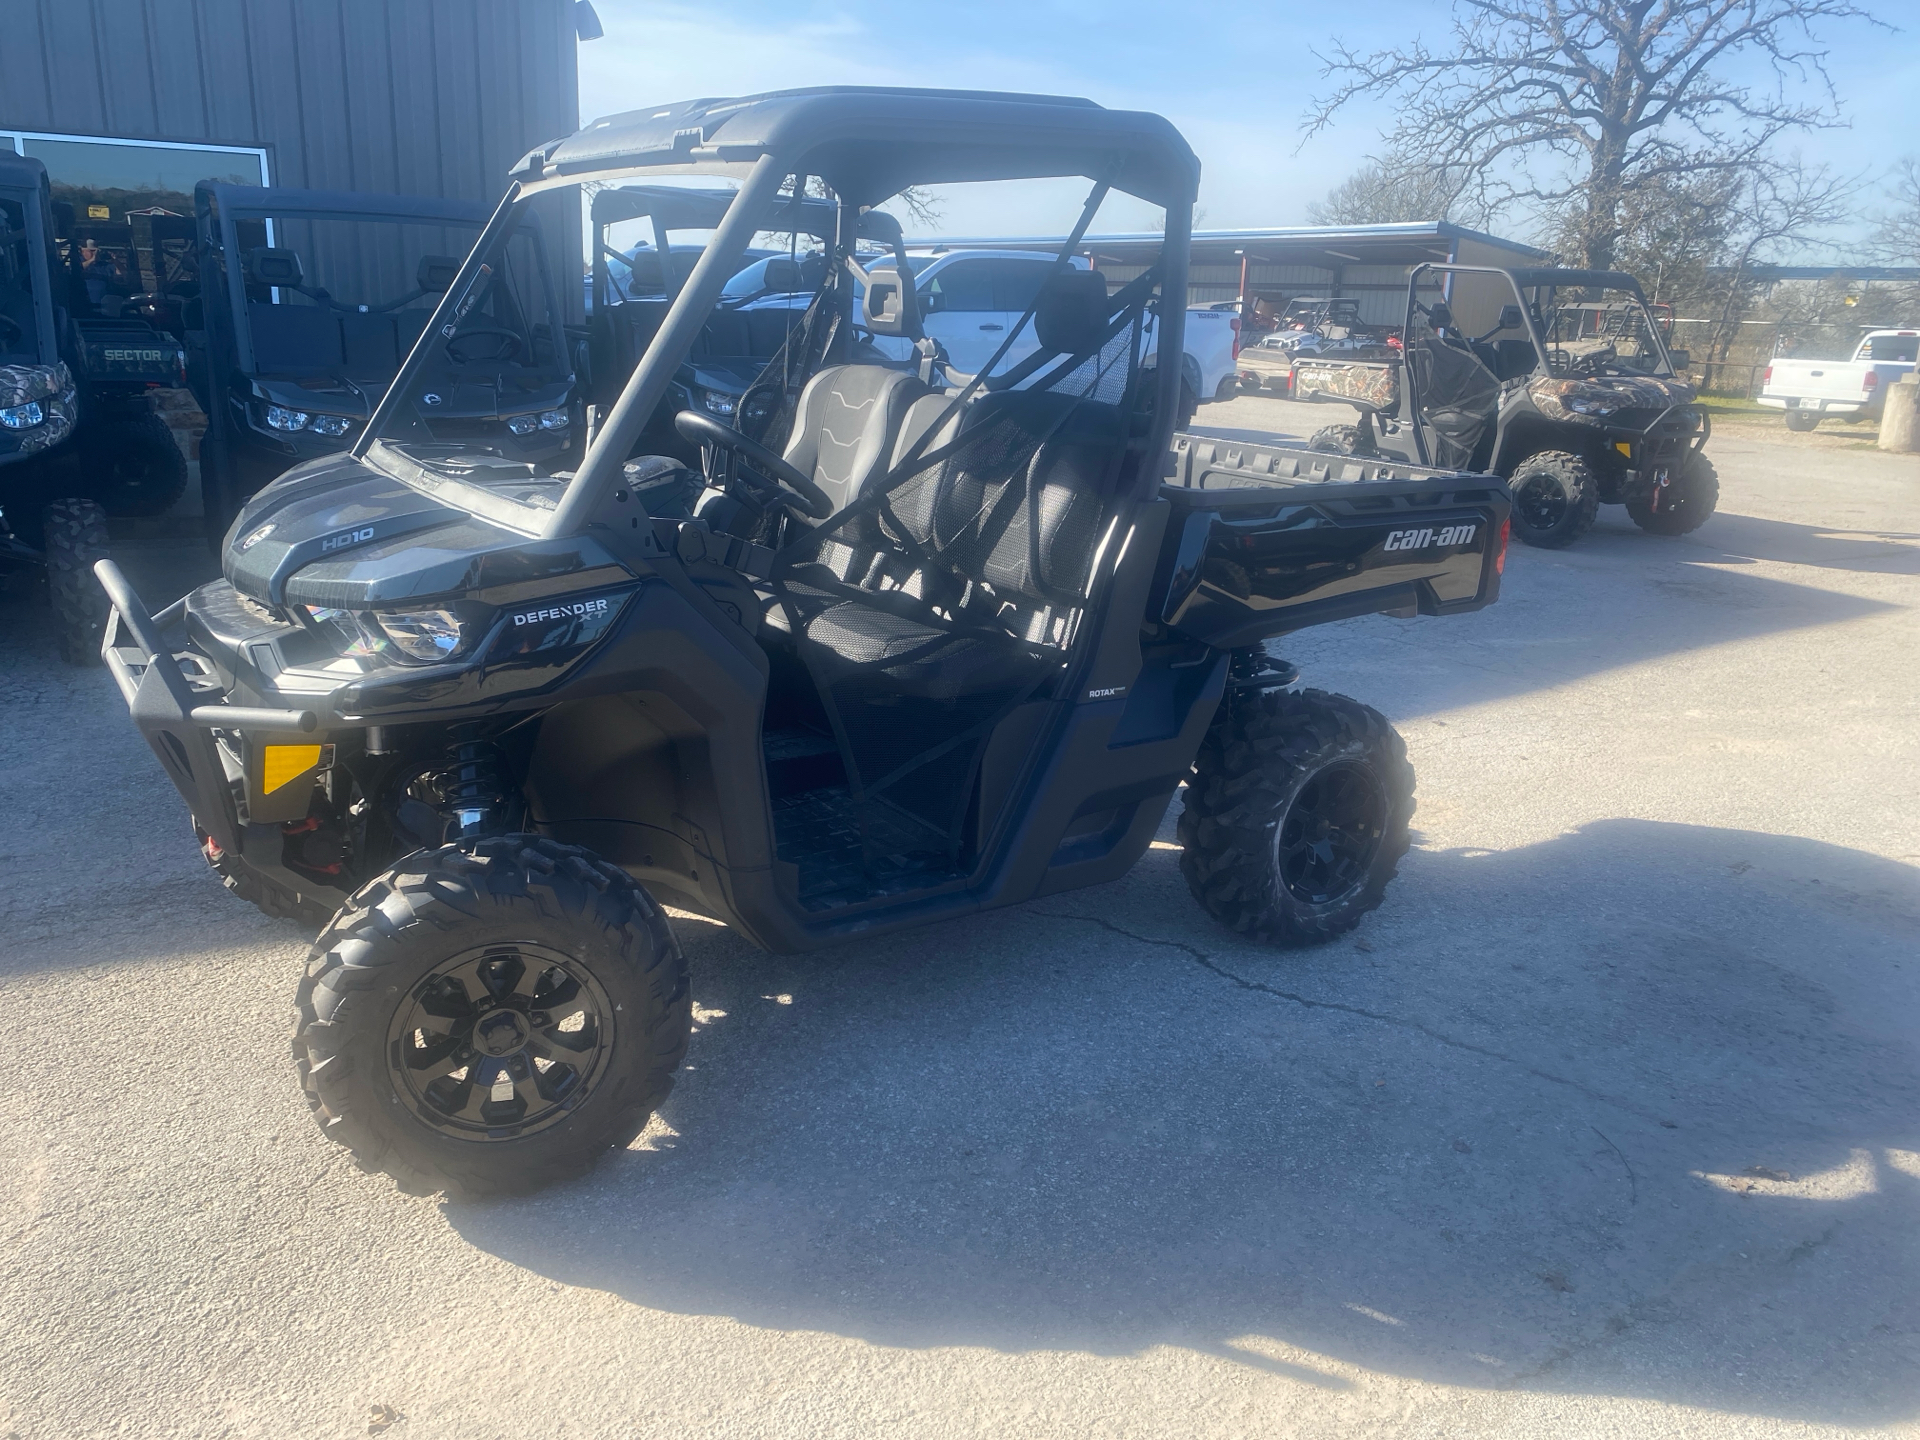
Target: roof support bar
{"x":648,"y":383}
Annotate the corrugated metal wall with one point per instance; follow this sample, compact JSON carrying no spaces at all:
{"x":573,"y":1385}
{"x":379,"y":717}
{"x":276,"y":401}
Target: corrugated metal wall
{"x":428,"y":97}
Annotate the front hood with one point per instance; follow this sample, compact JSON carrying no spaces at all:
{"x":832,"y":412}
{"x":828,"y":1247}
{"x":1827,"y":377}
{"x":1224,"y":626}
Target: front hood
{"x":324,"y":397}
{"x":1558,"y":397}
{"x":337,"y":533}
{"x":20,"y":384}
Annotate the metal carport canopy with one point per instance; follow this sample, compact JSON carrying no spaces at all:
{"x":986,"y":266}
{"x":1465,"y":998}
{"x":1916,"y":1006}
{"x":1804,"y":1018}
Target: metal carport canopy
{"x":1314,"y":259}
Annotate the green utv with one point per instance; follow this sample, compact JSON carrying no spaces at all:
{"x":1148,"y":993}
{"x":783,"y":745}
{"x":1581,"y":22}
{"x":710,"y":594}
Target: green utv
{"x":894,"y":654}
{"x":1560,"y":381}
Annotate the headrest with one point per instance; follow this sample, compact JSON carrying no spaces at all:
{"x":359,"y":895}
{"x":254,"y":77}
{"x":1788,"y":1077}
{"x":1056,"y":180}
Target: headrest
{"x":1439,"y":316}
{"x":436,"y":273}
{"x":1071,"y":314}
{"x":270,"y":265}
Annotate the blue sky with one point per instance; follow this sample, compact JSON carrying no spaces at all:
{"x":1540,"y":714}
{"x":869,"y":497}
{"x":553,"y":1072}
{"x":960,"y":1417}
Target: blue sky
{"x":1234,"y":75}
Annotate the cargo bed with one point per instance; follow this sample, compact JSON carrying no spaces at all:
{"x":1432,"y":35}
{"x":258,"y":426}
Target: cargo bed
{"x":1267,"y":539}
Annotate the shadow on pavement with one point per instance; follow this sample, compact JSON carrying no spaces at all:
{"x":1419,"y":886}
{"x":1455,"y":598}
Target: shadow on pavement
{"x":1632,"y":1112}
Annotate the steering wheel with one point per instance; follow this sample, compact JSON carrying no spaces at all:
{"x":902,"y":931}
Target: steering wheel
{"x":507,"y":351}
{"x":705,"y":430}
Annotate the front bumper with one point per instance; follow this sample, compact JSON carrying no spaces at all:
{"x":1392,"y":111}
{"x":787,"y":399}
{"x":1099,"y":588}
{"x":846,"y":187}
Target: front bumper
{"x":179,"y":706}
{"x":1654,"y":456}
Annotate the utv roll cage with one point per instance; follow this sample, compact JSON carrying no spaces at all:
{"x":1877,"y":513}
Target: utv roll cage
{"x":866,"y":144}
{"x":24,"y":183}
{"x":248,"y":347}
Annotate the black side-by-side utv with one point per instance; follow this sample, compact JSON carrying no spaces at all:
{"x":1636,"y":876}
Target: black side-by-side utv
{"x":1558,"y":380}
{"x":915,"y":652}
{"x":39,"y":412}
{"x":287,"y":370}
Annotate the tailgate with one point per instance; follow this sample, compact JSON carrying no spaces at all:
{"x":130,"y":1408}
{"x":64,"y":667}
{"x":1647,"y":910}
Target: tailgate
{"x":130,"y":351}
{"x":1266,"y":539}
{"x":1816,"y":380}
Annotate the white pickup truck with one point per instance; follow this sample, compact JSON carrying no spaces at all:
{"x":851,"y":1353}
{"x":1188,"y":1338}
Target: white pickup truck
{"x":1809,"y":390}
{"x":969,"y":299}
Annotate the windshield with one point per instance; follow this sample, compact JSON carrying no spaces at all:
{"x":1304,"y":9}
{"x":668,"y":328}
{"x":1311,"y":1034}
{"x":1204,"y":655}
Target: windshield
{"x":1598,"y":331}
{"x":343,"y":299}
{"x":19,"y":338}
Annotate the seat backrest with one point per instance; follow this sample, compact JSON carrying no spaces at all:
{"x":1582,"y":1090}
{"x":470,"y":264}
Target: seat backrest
{"x":1017,"y":458}
{"x":846,"y":424}
{"x":725,"y":333}
{"x":767,"y":330}
{"x":293,"y":339}
{"x":1517,"y":358}
{"x":369,"y":345}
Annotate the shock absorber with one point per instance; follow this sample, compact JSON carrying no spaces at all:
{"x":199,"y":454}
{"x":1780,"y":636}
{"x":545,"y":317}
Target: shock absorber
{"x":470,"y":792}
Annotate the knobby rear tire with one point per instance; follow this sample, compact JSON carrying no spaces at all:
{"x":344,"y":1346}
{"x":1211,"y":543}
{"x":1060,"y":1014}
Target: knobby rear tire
{"x":1256,"y":763}
{"x":75,"y":537}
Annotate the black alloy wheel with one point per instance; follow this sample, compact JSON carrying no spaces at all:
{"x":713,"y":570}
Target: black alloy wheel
{"x":1541,"y":502}
{"x":491,"y":1016}
{"x":1325,"y":845}
{"x":1555,"y":498}
{"x":500,"y":1042}
{"x":1296,"y":815}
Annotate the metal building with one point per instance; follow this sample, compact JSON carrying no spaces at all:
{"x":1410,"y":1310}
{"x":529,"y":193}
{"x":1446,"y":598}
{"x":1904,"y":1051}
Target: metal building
{"x":129,"y":102}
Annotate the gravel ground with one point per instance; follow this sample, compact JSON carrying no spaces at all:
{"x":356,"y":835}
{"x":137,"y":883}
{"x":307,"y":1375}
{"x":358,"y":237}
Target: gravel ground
{"x":1607,"y":1123}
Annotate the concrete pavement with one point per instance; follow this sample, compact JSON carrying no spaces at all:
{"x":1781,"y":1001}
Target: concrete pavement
{"x":1607,"y":1123}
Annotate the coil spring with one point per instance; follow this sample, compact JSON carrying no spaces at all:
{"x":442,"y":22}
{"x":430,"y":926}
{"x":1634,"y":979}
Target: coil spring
{"x":471,"y":793}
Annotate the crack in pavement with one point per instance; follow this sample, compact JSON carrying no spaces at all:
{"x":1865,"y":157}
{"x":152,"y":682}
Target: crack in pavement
{"x":1206,"y":962}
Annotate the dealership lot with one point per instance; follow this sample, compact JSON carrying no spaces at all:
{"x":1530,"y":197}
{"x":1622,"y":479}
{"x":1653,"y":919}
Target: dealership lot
{"x":1607,"y":1119}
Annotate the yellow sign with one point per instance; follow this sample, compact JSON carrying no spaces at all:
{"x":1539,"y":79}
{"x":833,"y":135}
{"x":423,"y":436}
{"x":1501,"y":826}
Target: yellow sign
{"x":98,"y":212}
{"x":1624,"y":447}
{"x":282,"y":764}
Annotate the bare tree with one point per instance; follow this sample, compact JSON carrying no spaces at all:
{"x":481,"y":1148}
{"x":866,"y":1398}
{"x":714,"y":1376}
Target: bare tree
{"x":1782,"y":204}
{"x":1578,"y":105}
{"x":1897,"y":237}
{"x":1385,"y":192}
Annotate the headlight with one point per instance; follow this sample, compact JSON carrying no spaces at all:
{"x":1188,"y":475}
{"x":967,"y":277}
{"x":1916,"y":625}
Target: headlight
{"x":23,"y":417}
{"x":716,"y":402}
{"x":523,"y":424}
{"x":332,"y":426}
{"x":555,"y":419}
{"x":1591,"y":407}
{"x":423,"y":634}
{"x":356,"y":636}
{"x":417,"y":634}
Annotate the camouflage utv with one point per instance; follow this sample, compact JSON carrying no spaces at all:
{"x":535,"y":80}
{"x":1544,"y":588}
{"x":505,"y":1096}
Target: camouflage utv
{"x":1560,"y":381}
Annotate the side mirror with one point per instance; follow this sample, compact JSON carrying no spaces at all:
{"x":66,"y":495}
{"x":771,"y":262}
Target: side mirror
{"x":783,"y":276}
{"x":930,"y":302}
{"x":882,"y":306}
{"x":1680,"y":358}
{"x":1511,"y":318}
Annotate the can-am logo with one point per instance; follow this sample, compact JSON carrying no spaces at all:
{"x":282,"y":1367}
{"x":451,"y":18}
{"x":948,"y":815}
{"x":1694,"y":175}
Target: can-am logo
{"x":561,"y":612}
{"x":346,"y":538}
{"x":1422,"y":539}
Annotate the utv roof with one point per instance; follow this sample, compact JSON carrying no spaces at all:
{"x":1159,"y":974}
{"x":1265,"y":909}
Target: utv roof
{"x":20,"y":172}
{"x":284,"y":202}
{"x":1576,"y":279}
{"x":871,"y":142}
{"x":688,"y":209}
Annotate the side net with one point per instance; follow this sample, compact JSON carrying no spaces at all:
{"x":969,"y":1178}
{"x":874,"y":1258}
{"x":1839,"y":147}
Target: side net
{"x":950,"y":593}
